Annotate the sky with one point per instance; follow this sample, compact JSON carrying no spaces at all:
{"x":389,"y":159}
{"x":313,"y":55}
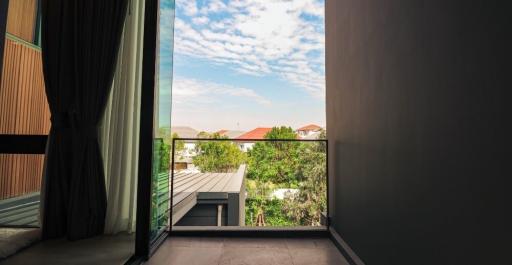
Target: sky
{"x":241,"y":64}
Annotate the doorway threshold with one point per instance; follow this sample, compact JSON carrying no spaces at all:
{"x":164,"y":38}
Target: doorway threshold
{"x":250,"y":231}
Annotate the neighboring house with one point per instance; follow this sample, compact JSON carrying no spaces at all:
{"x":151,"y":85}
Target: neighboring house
{"x":189,"y":149}
{"x":209,"y":199}
{"x":308,"y":130}
{"x":312,"y":136}
{"x":256,"y":134}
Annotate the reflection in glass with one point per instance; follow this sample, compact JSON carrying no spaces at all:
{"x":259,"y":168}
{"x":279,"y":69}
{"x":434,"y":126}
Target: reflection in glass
{"x":162,"y":121}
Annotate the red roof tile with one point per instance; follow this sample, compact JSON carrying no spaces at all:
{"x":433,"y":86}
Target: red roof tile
{"x":311,"y":127}
{"x":258,"y":133}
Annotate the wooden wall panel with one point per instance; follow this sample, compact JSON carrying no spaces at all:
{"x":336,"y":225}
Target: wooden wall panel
{"x":21,"y":19}
{"x":23,"y":105}
{"x":23,"y":110}
{"x":20,"y":174}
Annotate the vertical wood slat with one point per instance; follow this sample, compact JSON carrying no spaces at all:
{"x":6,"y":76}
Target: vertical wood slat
{"x":23,"y":110}
{"x":21,"y":19}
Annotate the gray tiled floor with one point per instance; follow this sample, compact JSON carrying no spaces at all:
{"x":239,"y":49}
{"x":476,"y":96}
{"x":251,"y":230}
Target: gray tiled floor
{"x":102,"y":250}
{"x":247,"y":251}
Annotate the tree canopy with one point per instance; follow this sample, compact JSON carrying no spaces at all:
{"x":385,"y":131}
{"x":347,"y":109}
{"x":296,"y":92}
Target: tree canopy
{"x":287,"y":164}
{"x":275,"y":161}
{"x":218,"y":156}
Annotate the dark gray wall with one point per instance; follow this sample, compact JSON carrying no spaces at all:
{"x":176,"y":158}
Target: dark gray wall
{"x":416,"y":122}
{"x":203,"y":215}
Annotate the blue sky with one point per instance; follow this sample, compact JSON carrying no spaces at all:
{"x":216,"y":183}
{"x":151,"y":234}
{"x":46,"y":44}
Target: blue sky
{"x":241,"y":64}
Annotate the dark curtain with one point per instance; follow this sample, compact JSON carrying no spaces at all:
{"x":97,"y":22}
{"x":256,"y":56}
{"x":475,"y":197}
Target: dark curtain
{"x":80,"y":41}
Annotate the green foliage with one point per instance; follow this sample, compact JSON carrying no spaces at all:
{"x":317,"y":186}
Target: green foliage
{"x":259,"y":201}
{"x":305,"y":208}
{"x":285,"y":164}
{"x":282,"y":132}
{"x":275,"y":161}
{"x":179,"y":144}
{"x":203,"y":134}
{"x":218,"y":156}
{"x":167,"y":136}
{"x":164,"y":160}
{"x":322,"y":135}
{"x":273,"y":209}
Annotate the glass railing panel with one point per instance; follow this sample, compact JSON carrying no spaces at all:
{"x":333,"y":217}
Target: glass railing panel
{"x":259,"y":183}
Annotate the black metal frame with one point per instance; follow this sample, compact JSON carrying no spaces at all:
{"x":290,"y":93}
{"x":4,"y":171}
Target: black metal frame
{"x":23,"y":144}
{"x":263,"y":232}
{"x":143,"y":246}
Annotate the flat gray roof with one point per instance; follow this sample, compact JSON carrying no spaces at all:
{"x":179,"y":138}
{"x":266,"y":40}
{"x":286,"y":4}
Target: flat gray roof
{"x":190,"y":187}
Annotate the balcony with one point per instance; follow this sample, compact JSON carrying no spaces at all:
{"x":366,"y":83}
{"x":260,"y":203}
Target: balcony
{"x":241,"y":184}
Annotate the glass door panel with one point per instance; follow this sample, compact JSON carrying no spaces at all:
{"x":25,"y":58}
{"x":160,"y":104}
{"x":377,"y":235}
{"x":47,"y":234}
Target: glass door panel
{"x":160,"y":199}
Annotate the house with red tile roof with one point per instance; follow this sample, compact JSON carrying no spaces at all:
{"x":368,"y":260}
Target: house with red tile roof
{"x":308,"y":130}
{"x":258,"y":133}
{"x":255,"y":134}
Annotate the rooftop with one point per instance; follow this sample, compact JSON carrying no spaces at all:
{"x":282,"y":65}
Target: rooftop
{"x":258,"y":133}
{"x":191,"y":187}
{"x":231,"y":134}
{"x":310,"y":127}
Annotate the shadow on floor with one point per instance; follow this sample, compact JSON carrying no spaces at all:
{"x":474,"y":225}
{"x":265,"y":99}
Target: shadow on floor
{"x":247,"y":251}
{"x":101,"y":250}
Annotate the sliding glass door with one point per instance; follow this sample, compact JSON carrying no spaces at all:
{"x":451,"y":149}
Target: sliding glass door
{"x":162,"y":122}
{"x":155,"y":140}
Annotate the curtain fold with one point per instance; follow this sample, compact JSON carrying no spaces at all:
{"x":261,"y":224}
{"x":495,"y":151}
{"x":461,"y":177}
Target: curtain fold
{"x":80,"y":41}
{"x":119,"y":132}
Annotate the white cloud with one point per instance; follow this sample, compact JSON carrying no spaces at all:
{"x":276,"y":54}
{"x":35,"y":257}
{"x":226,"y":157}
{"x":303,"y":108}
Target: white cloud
{"x":257,"y":36}
{"x":192,"y":92}
{"x":188,"y":6}
{"x":200,"y":20}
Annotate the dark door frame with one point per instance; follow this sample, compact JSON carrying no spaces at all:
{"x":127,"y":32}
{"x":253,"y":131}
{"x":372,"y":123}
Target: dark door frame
{"x":143,"y":245}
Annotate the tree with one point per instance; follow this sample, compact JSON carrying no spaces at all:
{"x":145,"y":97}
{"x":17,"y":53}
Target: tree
{"x":282,"y":132}
{"x":179,"y":144}
{"x":168,"y":136}
{"x":203,"y":134}
{"x":163,"y":152}
{"x":218,"y":156}
{"x":306,"y":207}
{"x":322,"y":135}
{"x":275,"y":161}
{"x":291,"y":164}
{"x":163,"y":144}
